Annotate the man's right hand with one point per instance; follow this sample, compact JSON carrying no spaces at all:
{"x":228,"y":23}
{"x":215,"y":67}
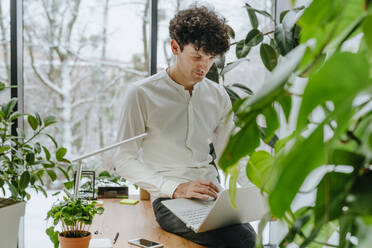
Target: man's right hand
{"x":196,"y":189}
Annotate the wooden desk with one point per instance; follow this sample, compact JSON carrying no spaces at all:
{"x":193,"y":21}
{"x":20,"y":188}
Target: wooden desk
{"x":131,"y":222}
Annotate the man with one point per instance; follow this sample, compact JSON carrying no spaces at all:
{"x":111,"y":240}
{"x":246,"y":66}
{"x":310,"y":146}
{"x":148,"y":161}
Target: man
{"x":182,"y":112}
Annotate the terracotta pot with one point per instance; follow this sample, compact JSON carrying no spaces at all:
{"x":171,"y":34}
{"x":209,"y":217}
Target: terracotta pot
{"x":82,"y":242}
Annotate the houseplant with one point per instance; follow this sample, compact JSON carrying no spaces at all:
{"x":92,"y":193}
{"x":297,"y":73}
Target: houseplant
{"x":24,"y":164}
{"x":333,"y":129}
{"x":75,"y":217}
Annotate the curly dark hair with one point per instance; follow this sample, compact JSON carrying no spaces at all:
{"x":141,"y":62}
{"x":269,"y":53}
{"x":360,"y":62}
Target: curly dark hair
{"x":202,"y":28}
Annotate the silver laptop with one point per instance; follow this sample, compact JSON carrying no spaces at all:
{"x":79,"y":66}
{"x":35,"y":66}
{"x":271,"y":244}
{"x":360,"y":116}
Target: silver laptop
{"x":205,"y":215}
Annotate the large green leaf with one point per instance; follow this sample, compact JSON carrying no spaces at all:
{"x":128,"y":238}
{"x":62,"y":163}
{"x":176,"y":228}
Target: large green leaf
{"x":47,"y":153}
{"x":340,"y":156}
{"x":327,"y":21}
{"x":238,"y":146}
{"x":234,"y":175}
{"x":285,"y":101}
{"x":262,"y":12}
{"x":348,"y":19}
{"x":232,"y":94}
{"x":232,"y":65}
{"x":346,"y":222}
{"x":52,"y":175}
{"x":60,"y":153}
{"x":325,"y":233}
{"x":331,"y":193}
{"x":367,"y":30}
{"x":293,"y":168}
{"x":289,"y":11}
{"x":268,"y":56}
{"x":272,"y":122}
{"x":252,"y":16}
{"x":32,"y":121}
{"x":283,"y":39}
{"x":64,"y":172}
{"x":280,"y":144}
{"x":361,"y":200}
{"x":53,"y":140}
{"x":341,"y":78}
{"x":258,"y":169}
{"x":8,"y":108}
{"x":243,"y":88}
{"x":241,"y":49}
{"x":69,"y":184}
{"x":254,"y":37}
{"x":317,"y":15}
{"x":213,"y":73}
{"x":49,"y":120}
{"x":25,"y":180}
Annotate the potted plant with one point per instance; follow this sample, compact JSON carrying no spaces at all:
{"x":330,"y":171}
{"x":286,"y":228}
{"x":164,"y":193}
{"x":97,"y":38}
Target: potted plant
{"x":75,"y":217}
{"x":24,"y":164}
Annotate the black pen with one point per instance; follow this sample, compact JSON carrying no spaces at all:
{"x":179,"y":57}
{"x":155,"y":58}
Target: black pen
{"x":116,"y":237}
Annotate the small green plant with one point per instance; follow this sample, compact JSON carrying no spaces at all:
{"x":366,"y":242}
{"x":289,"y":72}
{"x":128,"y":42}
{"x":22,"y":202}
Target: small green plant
{"x":24,"y":162}
{"x":75,"y":217}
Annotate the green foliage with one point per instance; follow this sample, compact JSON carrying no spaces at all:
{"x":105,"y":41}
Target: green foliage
{"x":248,"y":110}
{"x":242,"y":49}
{"x":53,"y":235}
{"x":23,"y":162}
{"x":280,"y":43}
{"x":312,"y":48}
{"x":75,"y":217}
{"x":254,"y":37}
{"x":269,"y":56}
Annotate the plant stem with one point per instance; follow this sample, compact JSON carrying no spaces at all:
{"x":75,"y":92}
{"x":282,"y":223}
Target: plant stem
{"x":35,"y":134}
{"x":269,"y":32}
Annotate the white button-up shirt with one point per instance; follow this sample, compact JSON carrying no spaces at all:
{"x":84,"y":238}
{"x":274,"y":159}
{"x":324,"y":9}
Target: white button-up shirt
{"x":180,"y":128}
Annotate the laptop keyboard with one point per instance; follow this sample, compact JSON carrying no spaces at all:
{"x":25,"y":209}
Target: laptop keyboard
{"x":196,"y":215}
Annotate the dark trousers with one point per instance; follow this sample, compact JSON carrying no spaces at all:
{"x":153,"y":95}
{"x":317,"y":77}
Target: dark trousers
{"x":235,"y":236}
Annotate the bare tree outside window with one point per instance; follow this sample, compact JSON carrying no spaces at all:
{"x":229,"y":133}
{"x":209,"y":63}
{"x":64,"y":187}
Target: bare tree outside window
{"x":77,"y":68}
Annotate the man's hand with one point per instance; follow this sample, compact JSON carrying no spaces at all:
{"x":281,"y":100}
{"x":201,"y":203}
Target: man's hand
{"x":196,"y":189}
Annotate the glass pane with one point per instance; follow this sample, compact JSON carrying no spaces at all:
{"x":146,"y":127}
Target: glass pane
{"x":79,"y":57}
{"x":5,"y":49}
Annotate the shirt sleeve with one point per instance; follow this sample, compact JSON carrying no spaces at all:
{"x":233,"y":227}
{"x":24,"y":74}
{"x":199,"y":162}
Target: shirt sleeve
{"x":127,"y":161}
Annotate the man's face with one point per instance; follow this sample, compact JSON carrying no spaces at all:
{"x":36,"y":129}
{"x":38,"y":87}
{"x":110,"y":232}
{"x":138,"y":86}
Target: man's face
{"x":193,"y":64}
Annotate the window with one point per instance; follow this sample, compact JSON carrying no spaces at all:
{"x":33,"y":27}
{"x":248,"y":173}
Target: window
{"x":79,"y":57}
{"x":5,"y":49}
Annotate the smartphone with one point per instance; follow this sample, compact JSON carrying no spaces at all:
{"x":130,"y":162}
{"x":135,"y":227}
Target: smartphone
{"x":145,"y":243}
